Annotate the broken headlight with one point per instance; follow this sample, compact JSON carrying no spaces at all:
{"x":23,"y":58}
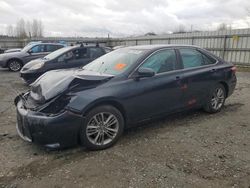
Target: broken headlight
{"x":57,"y":105}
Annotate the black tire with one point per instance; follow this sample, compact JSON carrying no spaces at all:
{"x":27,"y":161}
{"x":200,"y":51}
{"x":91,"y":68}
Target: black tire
{"x":15,"y":65}
{"x":211,"y":105}
{"x":90,"y":126}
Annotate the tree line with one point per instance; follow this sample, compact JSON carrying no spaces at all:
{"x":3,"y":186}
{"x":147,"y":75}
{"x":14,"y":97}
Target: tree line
{"x":26,"y":28}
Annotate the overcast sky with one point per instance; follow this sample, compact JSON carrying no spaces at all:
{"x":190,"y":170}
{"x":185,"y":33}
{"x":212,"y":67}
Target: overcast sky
{"x":124,"y":17}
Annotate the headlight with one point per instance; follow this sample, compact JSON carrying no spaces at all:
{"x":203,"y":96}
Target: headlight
{"x":2,"y":56}
{"x":37,"y":66}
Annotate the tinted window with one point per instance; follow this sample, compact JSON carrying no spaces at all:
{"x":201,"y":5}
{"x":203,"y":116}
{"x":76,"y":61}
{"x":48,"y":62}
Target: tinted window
{"x":80,"y":53}
{"x":52,"y":48}
{"x":66,"y":57}
{"x":162,"y":61}
{"x":57,"y":53}
{"x":208,"y":60}
{"x":95,"y":52}
{"x":38,"y":49}
{"x":193,"y":58}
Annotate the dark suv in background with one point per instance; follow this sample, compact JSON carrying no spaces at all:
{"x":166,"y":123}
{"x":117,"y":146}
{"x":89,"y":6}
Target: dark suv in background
{"x":68,"y":57}
{"x":15,"y":60}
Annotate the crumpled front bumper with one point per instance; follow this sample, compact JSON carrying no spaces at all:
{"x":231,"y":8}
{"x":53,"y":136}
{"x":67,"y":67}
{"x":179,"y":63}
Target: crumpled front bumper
{"x":50,"y":130}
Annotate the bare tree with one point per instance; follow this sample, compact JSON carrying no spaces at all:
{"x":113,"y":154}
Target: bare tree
{"x":10,"y":31}
{"x":224,"y":26}
{"x":35,"y":28}
{"x":28,"y":28}
{"x":20,"y":28}
{"x":180,"y":29}
{"x":40,"y":28}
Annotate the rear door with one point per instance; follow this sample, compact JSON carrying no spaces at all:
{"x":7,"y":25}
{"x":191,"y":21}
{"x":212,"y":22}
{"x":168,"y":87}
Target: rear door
{"x":198,"y":76}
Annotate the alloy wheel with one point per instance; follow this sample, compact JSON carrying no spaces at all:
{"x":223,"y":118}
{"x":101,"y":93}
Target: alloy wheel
{"x":218,"y":99}
{"x":102,"y":128}
{"x":15,"y":66}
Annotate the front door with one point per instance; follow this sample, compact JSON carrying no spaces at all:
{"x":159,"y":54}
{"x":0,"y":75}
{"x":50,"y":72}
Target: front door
{"x":36,"y":52}
{"x":159,"y":94}
{"x":80,"y":59}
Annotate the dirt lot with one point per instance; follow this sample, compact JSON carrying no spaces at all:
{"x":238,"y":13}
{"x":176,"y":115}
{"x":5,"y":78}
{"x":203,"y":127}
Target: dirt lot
{"x":192,"y":149}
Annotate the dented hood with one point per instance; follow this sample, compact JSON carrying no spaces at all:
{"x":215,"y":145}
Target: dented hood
{"x":56,"y":82}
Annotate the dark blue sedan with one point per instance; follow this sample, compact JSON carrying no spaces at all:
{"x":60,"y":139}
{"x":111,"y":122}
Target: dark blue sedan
{"x":94,"y":104}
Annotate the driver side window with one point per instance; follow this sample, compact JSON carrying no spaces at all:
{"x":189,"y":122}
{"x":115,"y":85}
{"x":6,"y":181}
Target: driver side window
{"x":66,"y":57}
{"x":162,"y":61}
{"x":38,"y":49}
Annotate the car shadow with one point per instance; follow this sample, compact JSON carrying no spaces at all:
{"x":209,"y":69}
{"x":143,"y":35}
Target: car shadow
{"x":4,"y":69}
{"x":140,"y":129}
{"x":172,"y":121}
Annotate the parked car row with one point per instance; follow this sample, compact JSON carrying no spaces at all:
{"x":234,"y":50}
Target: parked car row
{"x":94,"y":103}
{"x":17,"y":59}
{"x":67,"y":57}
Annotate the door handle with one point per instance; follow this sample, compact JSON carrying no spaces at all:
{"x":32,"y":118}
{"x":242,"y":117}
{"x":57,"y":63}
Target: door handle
{"x":177,"y":77}
{"x":212,"y":70}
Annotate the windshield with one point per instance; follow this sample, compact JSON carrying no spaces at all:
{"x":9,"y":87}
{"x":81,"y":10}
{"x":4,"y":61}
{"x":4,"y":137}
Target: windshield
{"x":115,"y":62}
{"x":57,"y":53}
{"x":27,"y":47}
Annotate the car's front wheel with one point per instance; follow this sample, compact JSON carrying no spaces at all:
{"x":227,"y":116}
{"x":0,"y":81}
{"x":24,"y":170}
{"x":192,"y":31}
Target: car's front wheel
{"x":14,"y":65}
{"x":216,"y":99}
{"x":102,"y":128}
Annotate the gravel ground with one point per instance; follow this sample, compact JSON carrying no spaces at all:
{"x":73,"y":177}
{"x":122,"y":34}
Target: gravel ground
{"x":191,"y":149}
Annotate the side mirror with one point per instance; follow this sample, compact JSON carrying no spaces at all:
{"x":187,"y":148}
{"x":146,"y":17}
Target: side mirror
{"x":144,"y":72}
{"x":30,"y":51}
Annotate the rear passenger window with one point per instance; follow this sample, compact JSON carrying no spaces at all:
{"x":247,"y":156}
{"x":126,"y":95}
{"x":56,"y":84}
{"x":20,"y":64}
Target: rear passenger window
{"x":52,"y":48}
{"x":162,"y":61}
{"x":193,"y":58}
{"x":80,"y":53}
{"x":95,"y":52}
{"x":38,"y":49}
{"x":208,"y":60}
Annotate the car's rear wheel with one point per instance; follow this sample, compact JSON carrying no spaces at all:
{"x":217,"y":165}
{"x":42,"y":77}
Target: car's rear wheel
{"x":216,"y":99}
{"x":102,"y":128}
{"x":14,"y":65}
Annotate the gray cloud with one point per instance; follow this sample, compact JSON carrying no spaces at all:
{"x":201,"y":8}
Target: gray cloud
{"x":123,"y":18}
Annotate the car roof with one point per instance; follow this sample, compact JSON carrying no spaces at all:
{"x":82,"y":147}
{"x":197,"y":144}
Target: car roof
{"x":158,"y":46}
{"x":84,"y":46}
{"x":35,"y":44}
{"x":48,"y":43}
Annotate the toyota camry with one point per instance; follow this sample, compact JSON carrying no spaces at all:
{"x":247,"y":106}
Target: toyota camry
{"x":93,"y":105}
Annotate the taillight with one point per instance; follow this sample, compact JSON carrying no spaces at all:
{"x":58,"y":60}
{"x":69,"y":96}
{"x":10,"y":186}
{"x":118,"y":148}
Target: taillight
{"x":233,"y":69}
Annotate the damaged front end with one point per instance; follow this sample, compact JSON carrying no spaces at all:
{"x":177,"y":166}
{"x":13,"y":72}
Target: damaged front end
{"x":44,"y":115}
{"x":47,"y":124}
